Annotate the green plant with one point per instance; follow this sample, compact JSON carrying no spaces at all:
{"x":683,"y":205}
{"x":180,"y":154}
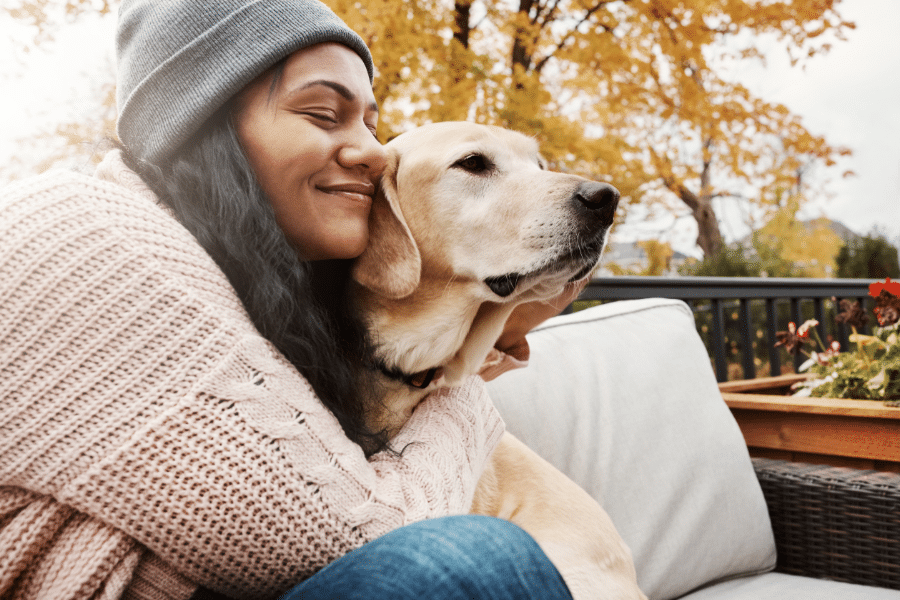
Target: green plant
{"x":729,"y":262}
{"x":872,"y":370}
{"x":870,"y":256}
{"x":764,"y":260}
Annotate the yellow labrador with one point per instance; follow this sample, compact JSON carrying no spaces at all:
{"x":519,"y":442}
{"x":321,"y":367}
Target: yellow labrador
{"x":467,"y":225}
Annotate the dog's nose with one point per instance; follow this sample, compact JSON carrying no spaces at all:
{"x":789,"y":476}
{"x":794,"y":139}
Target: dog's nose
{"x":595,"y":196}
{"x":596,"y":202}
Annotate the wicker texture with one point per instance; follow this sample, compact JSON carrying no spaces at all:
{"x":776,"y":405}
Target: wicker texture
{"x":834,"y":523}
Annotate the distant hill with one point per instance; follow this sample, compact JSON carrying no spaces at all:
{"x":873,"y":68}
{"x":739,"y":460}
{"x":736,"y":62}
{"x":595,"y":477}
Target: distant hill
{"x":841,"y":230}
{"x":629,"y":256}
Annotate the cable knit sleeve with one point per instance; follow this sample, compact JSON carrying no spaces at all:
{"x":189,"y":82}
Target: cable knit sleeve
{"x":141,"y":410}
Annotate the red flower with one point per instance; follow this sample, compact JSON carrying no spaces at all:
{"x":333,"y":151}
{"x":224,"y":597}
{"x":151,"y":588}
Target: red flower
{"x":803,"y":330}
{"x":887,"y":308}
{"x":824,"y":358}
{"x":790,"y":339}
{"x":891,"y":287}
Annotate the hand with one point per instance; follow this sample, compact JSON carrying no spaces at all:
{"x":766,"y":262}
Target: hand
{"x":529,"y":315}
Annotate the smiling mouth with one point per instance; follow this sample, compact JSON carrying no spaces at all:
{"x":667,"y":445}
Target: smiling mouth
{"x":361,"y":192}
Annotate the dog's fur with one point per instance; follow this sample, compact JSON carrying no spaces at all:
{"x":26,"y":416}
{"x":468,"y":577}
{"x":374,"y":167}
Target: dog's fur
{"x":468,"y":224}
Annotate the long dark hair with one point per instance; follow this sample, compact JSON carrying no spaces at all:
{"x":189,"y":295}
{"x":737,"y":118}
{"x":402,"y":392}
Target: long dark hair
{"x":301,"y":307}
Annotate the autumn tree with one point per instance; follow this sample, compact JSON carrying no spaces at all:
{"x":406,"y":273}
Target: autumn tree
{"x":633,"y":91}
{"x":45,"y":17}
{"x":784,"y":246}
{"x":657,"y":260}
{"x":659,"y":257}
{"x":83,"y":139}
{"x":636,"y":92}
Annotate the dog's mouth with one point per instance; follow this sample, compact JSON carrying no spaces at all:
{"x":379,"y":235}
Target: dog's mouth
{"x":583,"y":272}
{"x":504,"y":285}
{"x":580,"y":262}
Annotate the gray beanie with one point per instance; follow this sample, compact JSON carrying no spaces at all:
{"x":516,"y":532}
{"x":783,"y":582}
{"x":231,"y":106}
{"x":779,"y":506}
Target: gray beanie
{"x":179,"y":61}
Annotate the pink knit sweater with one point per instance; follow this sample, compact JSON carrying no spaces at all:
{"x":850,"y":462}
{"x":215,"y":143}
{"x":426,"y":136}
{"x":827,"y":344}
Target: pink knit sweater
{"x":151,"y":440}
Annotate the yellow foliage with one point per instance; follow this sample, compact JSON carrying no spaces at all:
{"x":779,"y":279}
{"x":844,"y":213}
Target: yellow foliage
{"x":811,"y":245}
{"x":659,"y":255}
{"x":622,"y":91}
{"x":628,"y":92}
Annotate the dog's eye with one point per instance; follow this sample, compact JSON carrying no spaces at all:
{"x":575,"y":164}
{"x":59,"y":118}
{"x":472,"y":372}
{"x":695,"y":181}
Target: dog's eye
{"x":474,"y":163}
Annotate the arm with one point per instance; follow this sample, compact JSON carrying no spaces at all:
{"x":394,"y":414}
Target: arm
{"x":511,"y":350}
{"x":531,"y":314}
{"x":137,"y":393}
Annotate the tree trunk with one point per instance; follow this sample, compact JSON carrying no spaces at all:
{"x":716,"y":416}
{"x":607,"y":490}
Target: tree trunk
{"x":460,"y":90}
{"x":461,"y":12}
{"x":709,"y":237}
{"x":520,"y":54}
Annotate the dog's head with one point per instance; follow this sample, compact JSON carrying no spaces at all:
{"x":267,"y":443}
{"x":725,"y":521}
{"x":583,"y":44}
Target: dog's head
{"x":472,"y":203}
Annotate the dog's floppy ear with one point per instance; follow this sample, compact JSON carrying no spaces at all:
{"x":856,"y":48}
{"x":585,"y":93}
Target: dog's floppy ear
{"x":390,"y":265}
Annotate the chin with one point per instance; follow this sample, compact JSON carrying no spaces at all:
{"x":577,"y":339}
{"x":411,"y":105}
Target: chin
{"x":338,"y":244}
{"x":349,"y":247}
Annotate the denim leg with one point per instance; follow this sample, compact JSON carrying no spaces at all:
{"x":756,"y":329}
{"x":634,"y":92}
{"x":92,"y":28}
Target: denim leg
{"x":452,"y":558}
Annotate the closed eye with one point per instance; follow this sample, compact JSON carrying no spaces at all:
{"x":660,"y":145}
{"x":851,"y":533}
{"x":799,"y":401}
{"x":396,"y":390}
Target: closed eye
{"x":477,"y":164}
{"x":321,"y":117}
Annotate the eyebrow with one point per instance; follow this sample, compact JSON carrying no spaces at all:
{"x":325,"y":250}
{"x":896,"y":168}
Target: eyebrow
{"x":341,"y":89}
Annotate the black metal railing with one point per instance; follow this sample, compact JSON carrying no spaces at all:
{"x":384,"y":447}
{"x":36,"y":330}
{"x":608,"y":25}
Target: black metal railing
{"x":716,"y":299}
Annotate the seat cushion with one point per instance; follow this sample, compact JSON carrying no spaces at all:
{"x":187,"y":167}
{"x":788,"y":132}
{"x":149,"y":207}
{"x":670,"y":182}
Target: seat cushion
{"x":777,"y":586}
{"x":622,"y":398}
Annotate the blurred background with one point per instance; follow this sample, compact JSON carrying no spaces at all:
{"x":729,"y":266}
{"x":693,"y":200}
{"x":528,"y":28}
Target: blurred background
{"x":747,"y":138}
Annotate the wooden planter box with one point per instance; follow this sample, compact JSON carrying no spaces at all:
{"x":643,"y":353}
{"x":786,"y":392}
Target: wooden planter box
{"x":861,"y":434}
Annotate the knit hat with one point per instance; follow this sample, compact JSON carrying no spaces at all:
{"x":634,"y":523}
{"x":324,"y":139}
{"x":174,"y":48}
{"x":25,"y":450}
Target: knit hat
{"x":179,"y":61}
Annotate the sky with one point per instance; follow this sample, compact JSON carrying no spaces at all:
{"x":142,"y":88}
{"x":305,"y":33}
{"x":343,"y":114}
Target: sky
{"x":851,"y":96}
{"x":51,"y":85}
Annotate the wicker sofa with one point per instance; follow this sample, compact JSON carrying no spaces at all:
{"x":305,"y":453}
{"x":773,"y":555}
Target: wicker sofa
{"x":834,"y":523}
{"x":622,"y":398}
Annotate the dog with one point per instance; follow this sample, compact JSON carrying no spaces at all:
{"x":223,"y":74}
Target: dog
{"x":467,"y":224}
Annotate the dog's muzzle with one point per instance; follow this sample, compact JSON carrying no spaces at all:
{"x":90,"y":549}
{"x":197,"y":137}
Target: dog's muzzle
{"x":594,"y":205}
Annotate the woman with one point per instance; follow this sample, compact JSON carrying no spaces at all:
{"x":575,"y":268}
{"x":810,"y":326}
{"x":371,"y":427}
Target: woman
{"x":157,"y":438}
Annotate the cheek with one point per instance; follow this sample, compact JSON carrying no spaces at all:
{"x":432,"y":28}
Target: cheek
{"x":282,"y":159}
{"x":264,"y":148}
{"x":253,"y":135}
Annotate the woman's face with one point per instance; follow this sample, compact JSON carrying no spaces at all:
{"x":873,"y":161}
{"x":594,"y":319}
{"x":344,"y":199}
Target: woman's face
{"x":311,"y":142}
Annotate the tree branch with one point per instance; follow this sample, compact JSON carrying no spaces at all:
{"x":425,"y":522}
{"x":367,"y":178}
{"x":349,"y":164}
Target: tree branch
{"x":461,"y":14}
{"x":571,"y":32}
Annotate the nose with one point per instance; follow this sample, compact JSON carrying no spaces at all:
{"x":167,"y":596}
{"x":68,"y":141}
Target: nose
{"x":595,"y":196}
{"x":363,"y":151}
{"x":599,"y":199}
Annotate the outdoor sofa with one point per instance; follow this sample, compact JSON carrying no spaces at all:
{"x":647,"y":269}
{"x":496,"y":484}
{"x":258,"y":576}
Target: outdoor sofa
{"x":623,"y":399}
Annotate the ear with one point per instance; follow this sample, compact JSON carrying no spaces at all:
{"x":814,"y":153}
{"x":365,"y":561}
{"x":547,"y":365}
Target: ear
{"x":390,"y":265}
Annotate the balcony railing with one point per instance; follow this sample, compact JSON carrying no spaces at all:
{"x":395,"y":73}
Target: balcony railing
{"x":732,"y":307}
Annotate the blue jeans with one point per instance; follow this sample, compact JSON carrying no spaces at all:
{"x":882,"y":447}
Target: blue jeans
{"x":452,"y":558}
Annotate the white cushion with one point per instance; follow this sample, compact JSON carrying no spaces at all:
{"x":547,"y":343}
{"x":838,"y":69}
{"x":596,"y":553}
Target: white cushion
{"x":778,"y":586}
{"x":622,"y":398}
